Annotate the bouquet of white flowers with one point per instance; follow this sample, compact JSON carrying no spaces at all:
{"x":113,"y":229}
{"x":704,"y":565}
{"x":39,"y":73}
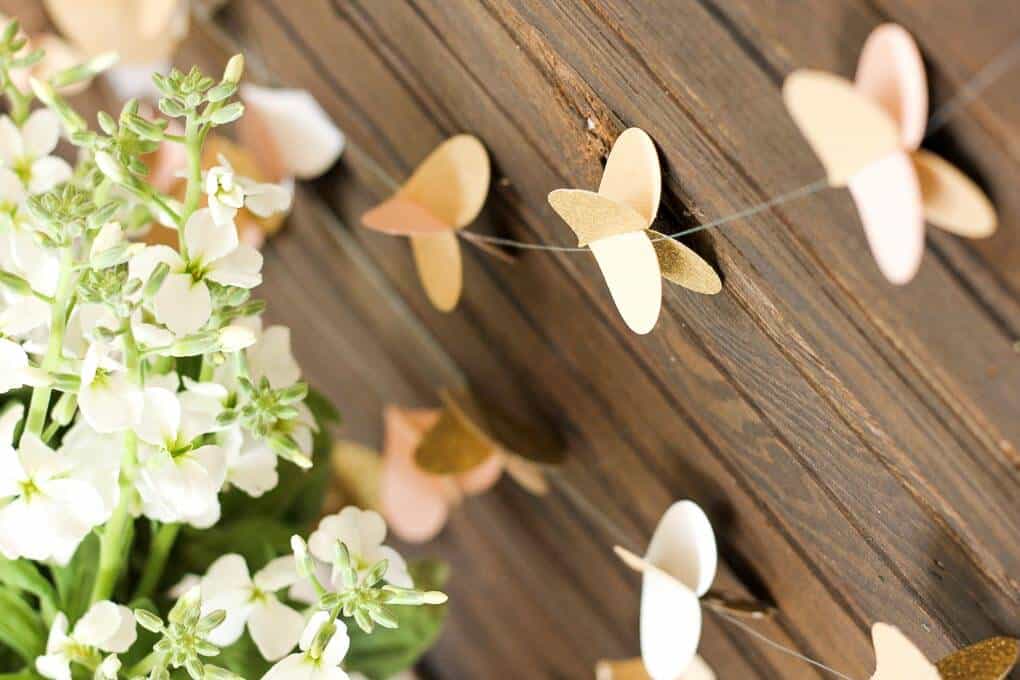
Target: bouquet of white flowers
{"x":146,"y":410}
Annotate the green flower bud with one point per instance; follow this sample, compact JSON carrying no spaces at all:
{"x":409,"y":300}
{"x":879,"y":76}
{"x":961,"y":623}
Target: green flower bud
{"x":149,"y":621}
{"x":234,"y":70}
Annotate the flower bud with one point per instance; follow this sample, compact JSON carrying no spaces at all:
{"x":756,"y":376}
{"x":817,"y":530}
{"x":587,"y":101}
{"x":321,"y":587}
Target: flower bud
{"x":148,"y":621}
{"x":235,"y":69}
{"x":15,"y":283}
{"x":109,"y":166}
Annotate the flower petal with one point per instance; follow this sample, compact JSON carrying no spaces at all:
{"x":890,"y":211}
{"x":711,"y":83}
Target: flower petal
{"x":271,"y":357}
{"x":161,"y":417}
{"x":182,"y":304}
{"x":267,"y":199}
{"x":279,"y":573}
{"x":47,"y":172}
{"x":242,"y":268}
{"x":11,"y":146}
{"x":208,"y":241}
{"x":40,"y":133}
{"x":275,"y":628}
{"x":141,"y":265}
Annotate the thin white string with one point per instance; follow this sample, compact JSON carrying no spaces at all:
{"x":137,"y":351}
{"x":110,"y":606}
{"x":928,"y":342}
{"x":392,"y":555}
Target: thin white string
{"x":772,"y":643}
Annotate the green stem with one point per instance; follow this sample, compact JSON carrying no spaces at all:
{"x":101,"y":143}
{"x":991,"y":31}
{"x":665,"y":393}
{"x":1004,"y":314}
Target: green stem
{"x":193,"y":140}
{"x":117,"y":530}
{"x":58,"y":323}
{"x":143,"y":667}
{"x":159,"y":552}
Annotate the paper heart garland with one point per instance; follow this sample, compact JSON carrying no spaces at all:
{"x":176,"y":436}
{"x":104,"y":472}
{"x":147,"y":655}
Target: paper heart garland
{"x":867,"y":135}
{"x":614,"y":223}
{"x":897,"y":658}
{"x":433,"y":459}
{"x":444,"y":194}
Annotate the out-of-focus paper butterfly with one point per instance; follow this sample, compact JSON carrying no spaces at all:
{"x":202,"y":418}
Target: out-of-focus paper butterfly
{"x":444,"y":194}
{"x":867,"y":134}
{"x":614,"y":223}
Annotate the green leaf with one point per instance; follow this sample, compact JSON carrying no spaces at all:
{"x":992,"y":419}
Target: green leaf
{"x":21,"y":626}
{"x":322,"y":408}
{"x":25,"y":576}
{"x":74,"y":582}
{"x":243,"y":658}
{"x":257,"y":539}
{"x":386,"y":652}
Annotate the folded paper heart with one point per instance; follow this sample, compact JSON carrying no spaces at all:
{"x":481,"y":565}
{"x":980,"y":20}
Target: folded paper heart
{"x":444,"y":194}
{"x":867,"y":135}
{"x":678,"y":569}
{"x":614,"y":223}
{"x":897,"y":658}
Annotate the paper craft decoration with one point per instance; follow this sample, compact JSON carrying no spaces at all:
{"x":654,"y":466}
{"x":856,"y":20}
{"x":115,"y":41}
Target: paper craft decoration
{"x":867,"y":134}
{"x":434,"y":458}
{"x":678,"y":569}
{"x":615,"y":224}
{"x":897,"y":658}
{"x":444,"y":194}
{"x":140,"y":31}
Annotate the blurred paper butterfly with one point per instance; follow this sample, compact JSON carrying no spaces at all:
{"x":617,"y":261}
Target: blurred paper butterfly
{"x":897,"y":658}
{"x":433,"y":458}
{"x":615,"y":223}
{"x":444,"y":194}
{"x":867,"y":135}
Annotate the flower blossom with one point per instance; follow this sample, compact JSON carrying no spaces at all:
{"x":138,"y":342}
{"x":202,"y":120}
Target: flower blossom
{"x":274,"y":627}
{"x":49,"y":508}
{"x":106,"y":627}
{"x":315,"y":661}
{"x":183,"y":302}
{"x":26,"y":151}
{"x":178,"y":480}
{"x":108,"y":399}
{"x":228,"y":192}
{"x":363,"y":532}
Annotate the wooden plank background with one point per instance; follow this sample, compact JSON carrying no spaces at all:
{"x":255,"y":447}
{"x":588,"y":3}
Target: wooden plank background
{"x":855,"y":444}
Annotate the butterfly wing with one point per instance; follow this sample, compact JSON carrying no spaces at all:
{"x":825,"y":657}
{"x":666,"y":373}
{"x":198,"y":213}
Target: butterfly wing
{"x":632,"y":175}
{"x":452,"y":182}
{"x":631,"y":269}
{"x":846,"y":129}
{"x":593,"y":216}
{"x":399,"y":216}
{"x":952,"y":201}
{"x":891,"y":71}
{"x":684,"y":546}
{"x":888,"y":198}
{"x":437,"y":258}
{"x":896,"y":657}
{"x":416,"y":504}
{"x":991,"y":659}
{"x":684,"y":267}
{"x":670,"y":626}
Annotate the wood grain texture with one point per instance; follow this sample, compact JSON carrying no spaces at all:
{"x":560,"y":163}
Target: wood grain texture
{"x":855,"y":445}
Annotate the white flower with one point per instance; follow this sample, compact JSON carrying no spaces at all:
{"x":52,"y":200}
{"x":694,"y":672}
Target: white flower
{"x":176,"y":481}
{"x":39,"y":265}
{"x":303,"y":666}
{"x":108,"y":399}
{"x":97,"y":458}
{"x":26,"y":151}
{"x":363,"y":532}
{"x":13,"y":365}
{"x":229,"y":192}
{"x":109,"y":669}
{"x":49,"y":510}
{"x":271,"y":357}
{"x":274,"y":627}
{"x":251,"y":463}
{"x":183,"y":302}
{"x":106,"y":626}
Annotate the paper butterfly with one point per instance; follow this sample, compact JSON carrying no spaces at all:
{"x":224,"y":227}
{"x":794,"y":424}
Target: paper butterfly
{"x":433,"y":458}
{"x":678,"y":568}
{"x":897,"y":658}
{"x":615,"y":223}
{"x":444,"y":194}
{"x":867,"y":135}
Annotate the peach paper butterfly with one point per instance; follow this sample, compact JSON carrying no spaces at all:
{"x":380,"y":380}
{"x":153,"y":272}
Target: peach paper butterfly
{"x":867,"y":134}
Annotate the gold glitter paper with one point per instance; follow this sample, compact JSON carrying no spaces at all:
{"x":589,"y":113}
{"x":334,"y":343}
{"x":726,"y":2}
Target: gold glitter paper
{"x":593,"y":217}
{"x":991,"y":659}
{"x":683,"y":266}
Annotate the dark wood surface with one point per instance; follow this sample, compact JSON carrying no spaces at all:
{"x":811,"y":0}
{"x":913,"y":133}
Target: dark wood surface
{"x":856,"y":445}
